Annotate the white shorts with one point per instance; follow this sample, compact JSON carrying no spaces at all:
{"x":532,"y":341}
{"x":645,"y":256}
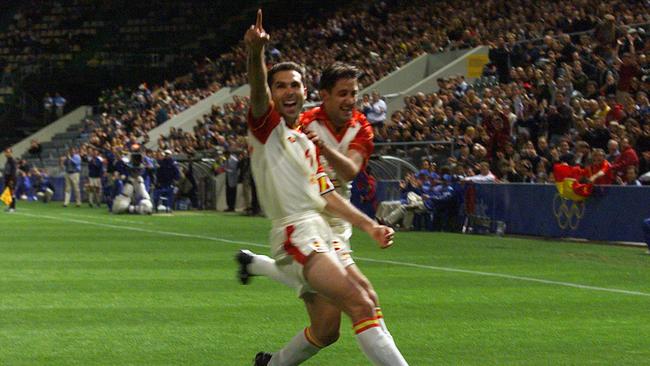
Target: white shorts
{"x":341,"y":234}
{"x":292,"y":241}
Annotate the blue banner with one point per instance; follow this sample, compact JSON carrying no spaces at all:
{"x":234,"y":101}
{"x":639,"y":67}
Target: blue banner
{"x":613,"y":213}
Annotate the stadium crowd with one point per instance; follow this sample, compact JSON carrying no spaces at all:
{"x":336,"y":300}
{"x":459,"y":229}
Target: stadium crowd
{"x":556,"y":87}
{"x":555,"y":97}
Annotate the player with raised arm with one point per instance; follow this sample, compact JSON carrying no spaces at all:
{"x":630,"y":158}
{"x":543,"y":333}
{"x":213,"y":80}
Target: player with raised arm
{"x":345,"y":141}
{"x":293,"y":190}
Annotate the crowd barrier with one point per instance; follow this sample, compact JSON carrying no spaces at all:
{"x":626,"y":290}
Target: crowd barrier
{"x":612,"y":213}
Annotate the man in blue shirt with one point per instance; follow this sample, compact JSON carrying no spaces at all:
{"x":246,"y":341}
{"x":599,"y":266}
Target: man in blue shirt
{"x":71,"y":164}
{"x":441,"y":204}
{"x":42,"y":185}
{"x":166,"y":176}
{"x":95,"y":173}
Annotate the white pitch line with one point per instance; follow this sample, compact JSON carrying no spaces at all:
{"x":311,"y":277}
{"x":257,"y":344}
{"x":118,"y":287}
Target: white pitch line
{"x":511,"y":277}
{"x":109,"y":218}
{"x":382,"y":261}
{"x":130,"y":228}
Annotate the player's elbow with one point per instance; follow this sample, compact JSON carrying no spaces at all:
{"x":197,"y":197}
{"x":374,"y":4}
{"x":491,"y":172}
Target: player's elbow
{"x":349,"y":174}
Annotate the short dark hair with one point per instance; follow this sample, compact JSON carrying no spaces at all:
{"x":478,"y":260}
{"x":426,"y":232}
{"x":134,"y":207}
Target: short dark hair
{"x":335,"y":72}
{"x":285,"y":66}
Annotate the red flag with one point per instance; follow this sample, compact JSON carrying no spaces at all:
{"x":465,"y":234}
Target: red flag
{"x":568,"y":182}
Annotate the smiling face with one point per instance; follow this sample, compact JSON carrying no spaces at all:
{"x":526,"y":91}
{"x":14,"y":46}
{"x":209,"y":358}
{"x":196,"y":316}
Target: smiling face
{"x":288,"y":94}
{"x":597,"y":157}
{"x":339,"y":101}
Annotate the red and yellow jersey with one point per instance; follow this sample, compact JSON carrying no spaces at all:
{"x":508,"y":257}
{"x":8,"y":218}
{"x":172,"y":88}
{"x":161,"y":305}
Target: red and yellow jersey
{"x":605,"y":167}
{"x":288,"y":175}
{"x":355,"y":135}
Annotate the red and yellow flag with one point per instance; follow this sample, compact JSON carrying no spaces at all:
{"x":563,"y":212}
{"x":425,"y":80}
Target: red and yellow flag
{"x":567,"y":182}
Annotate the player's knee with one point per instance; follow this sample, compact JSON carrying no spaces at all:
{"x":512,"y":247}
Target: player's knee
{"x":367,"y":287}
{"x":360,"y":306}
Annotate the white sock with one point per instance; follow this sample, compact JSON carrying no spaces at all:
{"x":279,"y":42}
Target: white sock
{"x":265,"y":266}
{"x":377,"y":345}
{"x":298,"y":350}
{"x":382,"y":323}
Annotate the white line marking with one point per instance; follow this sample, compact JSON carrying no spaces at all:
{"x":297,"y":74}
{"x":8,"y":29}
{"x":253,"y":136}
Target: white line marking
{"x":511,"y":277}
{"x":130,"y":228}
{"x":405,"y":264}
{"x":108,"y":217}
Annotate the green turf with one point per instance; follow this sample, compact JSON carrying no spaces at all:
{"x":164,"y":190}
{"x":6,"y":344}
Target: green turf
{"x":77,"y":290}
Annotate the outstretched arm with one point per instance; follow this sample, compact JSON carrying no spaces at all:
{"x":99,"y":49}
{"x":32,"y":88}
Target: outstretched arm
{"x":256,"y":38}
{"x":383,"y":235}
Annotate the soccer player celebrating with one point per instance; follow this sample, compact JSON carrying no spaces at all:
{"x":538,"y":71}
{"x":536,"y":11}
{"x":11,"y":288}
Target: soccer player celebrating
{"x":293,"y":190}
{"x":345,"y":142}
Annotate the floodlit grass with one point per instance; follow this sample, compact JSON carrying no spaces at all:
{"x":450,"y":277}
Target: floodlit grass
{"x":76,"y":289}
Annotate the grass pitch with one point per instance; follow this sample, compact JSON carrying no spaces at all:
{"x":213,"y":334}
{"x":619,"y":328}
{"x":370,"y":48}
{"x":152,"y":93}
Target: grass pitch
{"x":81,"y":287}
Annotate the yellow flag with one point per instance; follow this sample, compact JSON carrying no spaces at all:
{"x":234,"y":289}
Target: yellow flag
{"x":6,"y":196}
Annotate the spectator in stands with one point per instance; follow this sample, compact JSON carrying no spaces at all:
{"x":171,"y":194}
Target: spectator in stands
{"x":377,"y":114}
{"x":644,"y":162}
{"x":442,"y":204}
{"x":231,"y":167}
{"x":500,"y":56}
{"x":115,"y":186}
{"x":484,"y":176}
{"x":612,"y":150}
{"x":565,"y":154}
{"x":167,"y":175}
{"x":560,"y":119}
{"x":583,"y":154}
{"x":95,"y":173}
{"x":71,"y":164}
{"x":630,"y":178}
{"x":627,"y":158}
{"x":365,"y":106}
{"x":59,"y":104}
{"x":249,"y":191}
{"x":187,"y":186}
{"x":401,"y":213}
{"x":42,"y":185}
{"x":600,"y":171}
{"x":520,"y":171}
{"x":36,"y":150}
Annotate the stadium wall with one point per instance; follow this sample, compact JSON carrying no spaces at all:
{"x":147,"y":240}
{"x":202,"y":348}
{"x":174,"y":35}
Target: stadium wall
{"x":613,"y":213}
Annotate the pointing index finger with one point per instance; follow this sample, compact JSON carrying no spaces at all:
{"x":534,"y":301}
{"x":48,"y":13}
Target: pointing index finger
{"x":258,"y":23}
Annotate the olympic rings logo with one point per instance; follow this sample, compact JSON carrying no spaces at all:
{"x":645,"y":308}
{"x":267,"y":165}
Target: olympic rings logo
{"x":567,"y":213}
